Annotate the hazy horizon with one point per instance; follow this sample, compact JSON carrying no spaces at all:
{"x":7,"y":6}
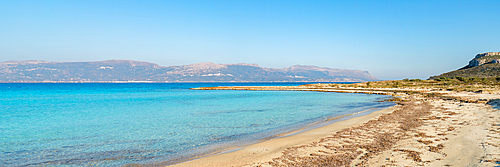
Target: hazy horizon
{"x":389,"y":39}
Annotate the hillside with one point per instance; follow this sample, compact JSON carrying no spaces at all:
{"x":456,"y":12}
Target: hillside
{"x":482,"y":66}
{"x":131,"y":71}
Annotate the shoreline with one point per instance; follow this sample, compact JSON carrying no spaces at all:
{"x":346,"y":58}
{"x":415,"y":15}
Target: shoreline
{"x":326,"y":121}
{"x":258,"y":152}
{"x":429,"y":137}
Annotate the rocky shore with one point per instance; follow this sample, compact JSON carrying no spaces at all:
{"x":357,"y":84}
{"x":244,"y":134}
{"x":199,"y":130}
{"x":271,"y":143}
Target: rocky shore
{"x":428,"y":127}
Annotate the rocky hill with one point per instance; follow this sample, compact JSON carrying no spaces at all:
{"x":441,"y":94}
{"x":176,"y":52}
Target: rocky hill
{"x":481,"y":66}
{"x":135,"y":71}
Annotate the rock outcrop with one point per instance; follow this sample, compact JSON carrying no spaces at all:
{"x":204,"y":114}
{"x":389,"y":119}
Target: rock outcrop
{"x":486,"y":54}
{"x":484,"y":58}
{"x":475,"y":63}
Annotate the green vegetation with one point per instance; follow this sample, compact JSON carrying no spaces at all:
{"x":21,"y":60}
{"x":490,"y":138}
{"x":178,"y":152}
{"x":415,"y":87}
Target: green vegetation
{"x":483,"y":71}
{"x":468,"y":84}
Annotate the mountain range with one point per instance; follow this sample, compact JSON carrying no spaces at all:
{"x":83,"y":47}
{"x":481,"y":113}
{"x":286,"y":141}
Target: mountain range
{"x":137,"y":71}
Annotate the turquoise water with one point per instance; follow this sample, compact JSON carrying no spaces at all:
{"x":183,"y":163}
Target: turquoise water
{"x":118,"y":124}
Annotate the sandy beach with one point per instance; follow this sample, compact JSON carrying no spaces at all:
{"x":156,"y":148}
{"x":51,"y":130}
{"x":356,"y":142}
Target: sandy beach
{"x":452,"y":129}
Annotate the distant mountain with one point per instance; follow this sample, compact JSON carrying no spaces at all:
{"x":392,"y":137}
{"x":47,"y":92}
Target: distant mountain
{"x":136,"y":71}
{"x":481,"y":66}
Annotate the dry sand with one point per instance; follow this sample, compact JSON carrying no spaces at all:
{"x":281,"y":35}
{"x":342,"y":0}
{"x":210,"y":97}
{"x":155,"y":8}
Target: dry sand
{"x":419,"y":132}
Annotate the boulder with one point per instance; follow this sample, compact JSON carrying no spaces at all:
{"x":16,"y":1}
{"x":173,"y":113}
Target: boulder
{"x":475,"y":63}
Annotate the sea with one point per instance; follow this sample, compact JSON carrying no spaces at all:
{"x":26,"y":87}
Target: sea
{"x":117,"y":124}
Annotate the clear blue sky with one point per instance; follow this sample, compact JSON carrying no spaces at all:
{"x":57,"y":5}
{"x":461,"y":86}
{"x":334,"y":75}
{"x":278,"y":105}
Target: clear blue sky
{"x":390,"y":39}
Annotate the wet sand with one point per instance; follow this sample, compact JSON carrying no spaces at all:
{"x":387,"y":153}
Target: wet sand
{"x":455,"y":129}
{"x":265,"y":151}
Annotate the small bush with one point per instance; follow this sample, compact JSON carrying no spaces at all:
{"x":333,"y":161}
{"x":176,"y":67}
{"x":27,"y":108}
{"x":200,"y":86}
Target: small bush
{"x":415,"y":80}
{"x":396,"y":84}
{"x":443,"y":79}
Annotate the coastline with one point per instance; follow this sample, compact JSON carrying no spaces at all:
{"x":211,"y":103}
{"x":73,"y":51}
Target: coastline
{"x":454,"y":129}
{"x":264,"y":151}
{"x":326,"y":121}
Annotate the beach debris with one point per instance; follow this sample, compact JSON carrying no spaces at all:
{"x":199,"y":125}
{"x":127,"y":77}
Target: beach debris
{"x":360,"y":142}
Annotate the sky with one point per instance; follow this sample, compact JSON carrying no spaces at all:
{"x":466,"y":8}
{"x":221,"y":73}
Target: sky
{"x":390,"y":39}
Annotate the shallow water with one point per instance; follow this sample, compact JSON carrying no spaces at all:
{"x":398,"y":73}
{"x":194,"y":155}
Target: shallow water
{"x":117,"y":124}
